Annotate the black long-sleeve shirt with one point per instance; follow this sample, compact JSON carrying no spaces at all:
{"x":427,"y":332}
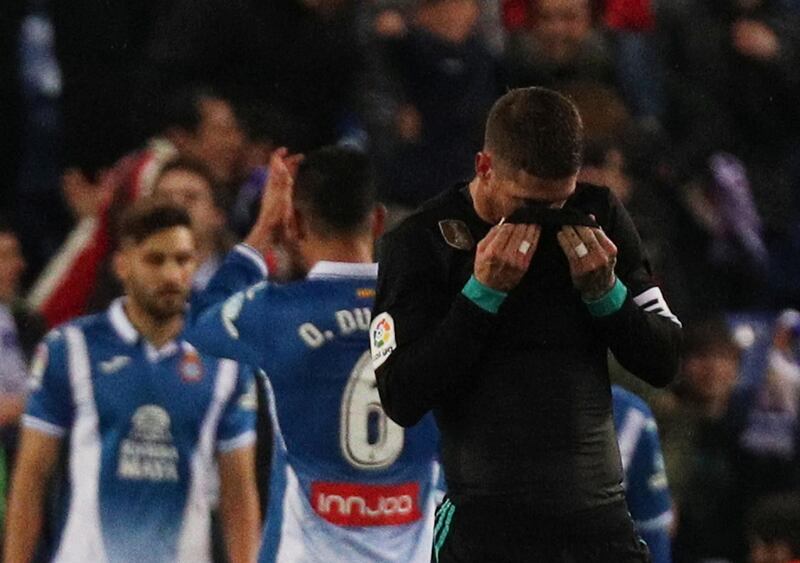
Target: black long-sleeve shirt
{"x":522,"y":397}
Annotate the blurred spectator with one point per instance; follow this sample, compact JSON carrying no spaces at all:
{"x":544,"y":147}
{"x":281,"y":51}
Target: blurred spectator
{"x":491,"y":28}
{"x":767,"y":424}
{"x":71,"y":71}
{"x":613,"y":41}
{"x":728,"y":235}
{"x":646,"y":489}
{"x":36,"y":186}
{"x":562,"y":45}
{"x":732,"y":84}
{"x":12,"y":357}
{"x":188,"y":184}
{"x":630,"y":25}
{"x":446,"y":81}
{"x":698,"y":445}
{"x":773,"y":530}
{"x":195,"y":122}
{"x":301,"y":56}
{"x":265,"y":129}
{"x":20,"y":330}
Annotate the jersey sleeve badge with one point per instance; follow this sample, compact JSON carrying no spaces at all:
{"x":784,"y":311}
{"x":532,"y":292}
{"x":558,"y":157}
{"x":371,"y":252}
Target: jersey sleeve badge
{"x":382,"y":339}
{"x":191,"y":368}
{"x":457,"y":234}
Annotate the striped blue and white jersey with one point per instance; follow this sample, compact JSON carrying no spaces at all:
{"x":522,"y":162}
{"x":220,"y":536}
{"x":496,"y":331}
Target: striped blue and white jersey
{"x":143,"y":427}
{"x":646,"y":487}
{"x":347,"y":483}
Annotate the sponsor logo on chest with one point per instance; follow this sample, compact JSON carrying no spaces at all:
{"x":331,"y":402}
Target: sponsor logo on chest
{"x":355,"y":504}
{"x":148,"y":453}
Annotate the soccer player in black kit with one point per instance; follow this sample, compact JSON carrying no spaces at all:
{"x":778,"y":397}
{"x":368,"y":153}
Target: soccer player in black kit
{"x":496,"y":306}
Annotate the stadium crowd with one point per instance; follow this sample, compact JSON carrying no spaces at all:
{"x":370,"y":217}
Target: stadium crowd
{"x":691,"y":117}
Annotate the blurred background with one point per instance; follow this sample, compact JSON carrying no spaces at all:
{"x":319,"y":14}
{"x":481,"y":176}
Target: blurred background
{"x":692,"y":115}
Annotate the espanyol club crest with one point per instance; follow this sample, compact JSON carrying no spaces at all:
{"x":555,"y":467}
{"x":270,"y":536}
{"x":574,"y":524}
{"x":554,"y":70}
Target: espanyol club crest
{"x":191,"y":368}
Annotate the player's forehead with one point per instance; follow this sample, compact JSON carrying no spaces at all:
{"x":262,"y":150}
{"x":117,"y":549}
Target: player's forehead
{"x":173,"y":240}
{"x":181,"y":182}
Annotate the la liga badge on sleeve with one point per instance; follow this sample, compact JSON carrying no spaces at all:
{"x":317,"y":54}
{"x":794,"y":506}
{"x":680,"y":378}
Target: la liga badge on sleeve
{"x":382,"y":339}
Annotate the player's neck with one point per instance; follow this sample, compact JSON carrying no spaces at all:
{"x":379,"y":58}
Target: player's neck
{"x":358,"y":249}
{"x":479,"y":202}
{"x":156,"y":331}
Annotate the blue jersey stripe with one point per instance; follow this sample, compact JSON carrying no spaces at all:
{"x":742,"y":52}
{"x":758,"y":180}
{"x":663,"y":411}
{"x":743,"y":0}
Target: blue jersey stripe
{"x":277,"y":488}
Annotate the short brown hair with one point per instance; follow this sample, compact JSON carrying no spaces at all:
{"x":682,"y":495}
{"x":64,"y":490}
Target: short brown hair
{"x":536,"y":130}
{"x":149,"y":216}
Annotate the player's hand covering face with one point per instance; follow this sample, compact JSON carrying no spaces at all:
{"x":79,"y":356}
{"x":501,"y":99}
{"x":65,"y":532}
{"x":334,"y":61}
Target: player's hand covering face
{"x":504,"y":255}
{"x":592,"y":257}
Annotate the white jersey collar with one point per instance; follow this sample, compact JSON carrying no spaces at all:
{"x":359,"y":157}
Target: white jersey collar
{"x":327,"y":270}
{"x":121,"y":323}
{"x":127,"y":332}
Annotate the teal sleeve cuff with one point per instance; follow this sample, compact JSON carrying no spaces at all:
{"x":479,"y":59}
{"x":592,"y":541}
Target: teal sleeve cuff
{"x":609,"y":303}
{"x":483,"y":296}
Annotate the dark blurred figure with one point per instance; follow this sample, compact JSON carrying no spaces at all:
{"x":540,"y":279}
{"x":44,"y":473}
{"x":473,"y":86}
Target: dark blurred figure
{"x":12,"y":13}
{"x":301,"y":56}
{"x":773,"y":530}
{"x":732,"y":85}
{"x":35,"y":185}
{"x":767,"y":418}
{"x":630,"y":26}
{"x":266,"y":128}
{"x":443,"y":80}
{"x":561,"y":45}
{"x":76,"y":63}
{"x":20,"y":330}
{"x":698,"y":445}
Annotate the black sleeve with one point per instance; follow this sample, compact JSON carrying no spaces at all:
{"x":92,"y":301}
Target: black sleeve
{"x":435,"y":337}
{"x":643,"y":334}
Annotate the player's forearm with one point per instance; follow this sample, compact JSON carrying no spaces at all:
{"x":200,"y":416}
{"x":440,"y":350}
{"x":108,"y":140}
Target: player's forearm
{"x":241,"y":523}
{"x":24,"y":523}
{"x":419,"y":375}
{"x":11,"y":409}
{"x":239,"y":504}
{"x":646,"y":344}
{"x":242,"y":268}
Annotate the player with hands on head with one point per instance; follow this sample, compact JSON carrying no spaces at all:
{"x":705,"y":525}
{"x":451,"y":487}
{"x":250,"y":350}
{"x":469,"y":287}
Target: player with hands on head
{"x":506,"y":341}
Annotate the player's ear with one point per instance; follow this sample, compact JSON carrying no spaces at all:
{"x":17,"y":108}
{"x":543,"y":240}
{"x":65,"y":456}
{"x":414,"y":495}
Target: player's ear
{"x":121,"y":262}
{"x":483,"y":165}
{"x":378,"y":221}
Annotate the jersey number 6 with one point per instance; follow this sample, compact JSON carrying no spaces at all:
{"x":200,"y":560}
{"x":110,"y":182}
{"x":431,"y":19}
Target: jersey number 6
{"x":369,"y":439}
